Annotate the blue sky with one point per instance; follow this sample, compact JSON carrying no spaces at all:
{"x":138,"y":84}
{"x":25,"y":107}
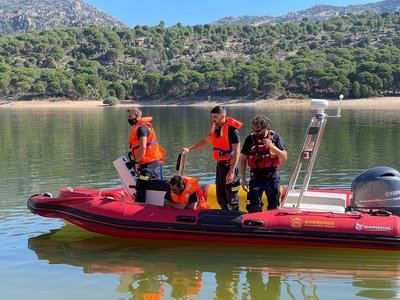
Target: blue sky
{"x":191,"y":12}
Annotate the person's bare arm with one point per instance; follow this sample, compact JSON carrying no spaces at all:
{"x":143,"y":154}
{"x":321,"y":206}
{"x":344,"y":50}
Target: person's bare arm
{"x":242,"y":165}
{"x":282,"y":154}
{"x":205,"y":141}
{"x":234,"y":161}
{"x":142,"y":148}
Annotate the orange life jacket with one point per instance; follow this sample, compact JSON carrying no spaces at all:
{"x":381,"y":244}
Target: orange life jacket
{"x":154,"y":152}
{"x":152,"y":296}
{"x":221,"y":148}
{"x":191,"y":186}
{"x":260,"y":156}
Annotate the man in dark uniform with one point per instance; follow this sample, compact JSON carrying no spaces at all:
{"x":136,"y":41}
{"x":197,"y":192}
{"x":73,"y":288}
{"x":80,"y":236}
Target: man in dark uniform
{"x":224,"y":137}
{"x":264,"y":151}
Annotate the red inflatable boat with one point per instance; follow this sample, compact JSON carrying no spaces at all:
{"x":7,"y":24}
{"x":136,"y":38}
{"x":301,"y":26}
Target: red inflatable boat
{"x":365,"y":217}
{"x":112,"y":213}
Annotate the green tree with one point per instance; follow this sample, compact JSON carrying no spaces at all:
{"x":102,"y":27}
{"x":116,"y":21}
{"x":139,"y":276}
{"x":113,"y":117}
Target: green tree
{"x":119,"y":89}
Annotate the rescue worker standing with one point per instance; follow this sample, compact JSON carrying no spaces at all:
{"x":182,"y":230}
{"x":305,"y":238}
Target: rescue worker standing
{"x":185,"y":192}
{"x":146,"y":153}
{"x":264,"y":151}
{"x":225,"y":140}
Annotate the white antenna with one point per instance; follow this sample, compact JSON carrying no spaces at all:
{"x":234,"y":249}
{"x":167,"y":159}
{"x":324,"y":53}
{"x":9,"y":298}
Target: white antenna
{"x":340,"y":106}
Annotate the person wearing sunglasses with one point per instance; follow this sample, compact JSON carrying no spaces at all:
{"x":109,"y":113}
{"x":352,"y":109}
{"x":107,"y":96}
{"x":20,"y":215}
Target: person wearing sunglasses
{"x":146,"y":154}
{"x":225,"y":140}
{"x":264,"y":151}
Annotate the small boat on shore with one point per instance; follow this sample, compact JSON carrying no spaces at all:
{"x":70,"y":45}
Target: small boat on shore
{"x":367,"y":216}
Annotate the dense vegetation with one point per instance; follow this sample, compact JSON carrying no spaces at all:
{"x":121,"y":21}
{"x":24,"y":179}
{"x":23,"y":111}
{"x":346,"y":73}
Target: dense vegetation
{"x":358,"y":56}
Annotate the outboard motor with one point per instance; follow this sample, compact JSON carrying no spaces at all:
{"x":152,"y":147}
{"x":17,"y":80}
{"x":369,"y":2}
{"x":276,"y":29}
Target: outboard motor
{"x":377,"y":189}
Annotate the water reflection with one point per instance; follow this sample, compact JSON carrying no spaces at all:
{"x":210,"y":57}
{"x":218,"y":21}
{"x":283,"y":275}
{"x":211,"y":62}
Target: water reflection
{"x":153,"y":270}
{"x":76,"y":148}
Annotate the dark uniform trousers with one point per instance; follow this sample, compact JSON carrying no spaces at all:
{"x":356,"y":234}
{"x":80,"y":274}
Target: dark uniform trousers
{"x":147,"y":172}
{"x":227,"y":194}
{"x":264,"y":180}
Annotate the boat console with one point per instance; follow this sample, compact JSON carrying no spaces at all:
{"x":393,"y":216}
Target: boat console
{"x":156,"y":188}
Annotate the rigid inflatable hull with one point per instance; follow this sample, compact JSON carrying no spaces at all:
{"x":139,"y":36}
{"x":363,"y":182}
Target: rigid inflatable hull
{"x":101,"y":212}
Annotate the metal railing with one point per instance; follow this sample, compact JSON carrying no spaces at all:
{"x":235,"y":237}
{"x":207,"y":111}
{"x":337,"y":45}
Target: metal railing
{"x":311,"y":144}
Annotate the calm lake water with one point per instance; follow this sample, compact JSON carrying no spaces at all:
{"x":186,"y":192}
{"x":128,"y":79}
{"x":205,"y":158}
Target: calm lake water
{"x":43,"y":150}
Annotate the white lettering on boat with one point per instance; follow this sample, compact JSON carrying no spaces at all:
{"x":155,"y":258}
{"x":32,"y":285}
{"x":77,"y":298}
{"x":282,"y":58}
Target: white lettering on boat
{"x":366,"y":227}
{"x":392,"y":193}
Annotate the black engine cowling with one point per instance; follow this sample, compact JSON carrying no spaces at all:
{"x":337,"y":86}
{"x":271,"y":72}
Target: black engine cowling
{"x":377,"y":189}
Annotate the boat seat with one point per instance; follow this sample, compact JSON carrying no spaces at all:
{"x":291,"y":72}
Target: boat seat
{"x":318,"y":201}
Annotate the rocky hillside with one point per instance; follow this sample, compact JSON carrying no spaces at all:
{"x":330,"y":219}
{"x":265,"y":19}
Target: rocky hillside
{"x":315,"y":13}
{"x":22,"y":15}
{"x":354,"y":55}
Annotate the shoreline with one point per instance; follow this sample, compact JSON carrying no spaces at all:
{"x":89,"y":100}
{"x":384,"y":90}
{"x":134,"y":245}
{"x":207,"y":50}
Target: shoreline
{"x":381,"y":103}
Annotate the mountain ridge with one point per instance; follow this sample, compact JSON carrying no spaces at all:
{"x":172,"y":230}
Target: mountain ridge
{"x":22,"y":15}
{"x":317,"y":12}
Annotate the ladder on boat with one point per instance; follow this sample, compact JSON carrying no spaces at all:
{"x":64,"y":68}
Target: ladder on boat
{"x":309,"y":150}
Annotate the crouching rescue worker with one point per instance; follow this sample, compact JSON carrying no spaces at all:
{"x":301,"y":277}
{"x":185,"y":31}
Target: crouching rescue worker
{"x":185,"y":192}
{"x":264,"y":151}
{"x":225,"y":140}
{"x":146,"y":153}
